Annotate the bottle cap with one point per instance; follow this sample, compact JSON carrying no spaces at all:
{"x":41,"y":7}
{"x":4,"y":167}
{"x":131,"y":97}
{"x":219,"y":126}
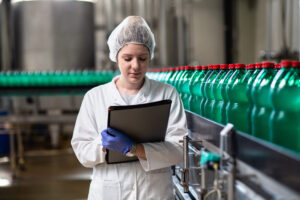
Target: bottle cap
{"x":172,"y":69}
{"x":224,"y":66}
{"x":231,"y":66}
{"x":295,"y":63}
{"x":286,"y":63}
{"x":267,"y":65}
{"x":188,"y":68}
{"x":250,"y":66}
{"x":177,"y":68}
{"x":210,"y":66}
{"x":216,"y":67}
{"x":258,"y":66}
{"x":182,"y":67}
{"x":277,"y":66}
{"x":199,"y":67}
{"x":204,"y":67}
{"x":239,"y":66}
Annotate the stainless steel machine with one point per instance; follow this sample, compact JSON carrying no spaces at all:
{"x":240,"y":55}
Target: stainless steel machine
{"x":222,"y":163}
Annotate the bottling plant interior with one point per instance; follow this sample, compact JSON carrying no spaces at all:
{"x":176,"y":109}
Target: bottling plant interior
{"x":234,"y":64}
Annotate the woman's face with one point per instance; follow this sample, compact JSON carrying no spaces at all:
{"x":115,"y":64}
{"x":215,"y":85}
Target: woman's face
{"x":133,"y":61}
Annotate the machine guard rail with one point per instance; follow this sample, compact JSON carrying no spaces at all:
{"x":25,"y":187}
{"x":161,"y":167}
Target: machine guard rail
{"x":268,"y":159}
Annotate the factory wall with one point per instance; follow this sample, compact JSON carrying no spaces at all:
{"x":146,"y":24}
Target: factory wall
{"x":266,"y":28}
{"x":206,"y":32}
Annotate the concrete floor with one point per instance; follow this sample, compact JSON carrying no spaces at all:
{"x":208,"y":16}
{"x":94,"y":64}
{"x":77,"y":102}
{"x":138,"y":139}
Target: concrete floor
{"x":47,"y":175}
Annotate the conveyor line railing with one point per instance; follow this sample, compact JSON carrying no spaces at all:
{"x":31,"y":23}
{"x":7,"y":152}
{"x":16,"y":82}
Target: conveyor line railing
{"x":271,"y":171}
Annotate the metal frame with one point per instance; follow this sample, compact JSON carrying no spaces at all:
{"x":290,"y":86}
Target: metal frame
{"x":13,"y":125}
{"x":267,"y":169}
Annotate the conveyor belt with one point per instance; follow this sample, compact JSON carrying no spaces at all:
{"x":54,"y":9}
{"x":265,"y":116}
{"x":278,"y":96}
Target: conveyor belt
{"x":44,"y":90}
{"x":271,"y":160}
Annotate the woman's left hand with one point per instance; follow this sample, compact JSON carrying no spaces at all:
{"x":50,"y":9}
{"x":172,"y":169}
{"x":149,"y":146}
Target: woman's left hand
{"x":113,"y":139}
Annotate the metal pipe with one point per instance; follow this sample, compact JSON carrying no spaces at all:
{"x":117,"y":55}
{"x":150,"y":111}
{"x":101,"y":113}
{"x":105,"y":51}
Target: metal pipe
{"x":231,"y":182}
{"x":163,"y":34}
{"x":290,"y":22}
{"x":269,"y":28}
{"x":6,"y":57}
{"x":180,"y":32}
{"x":141,"y":8}
{"x":185,"y":170}
{"x":110,"y":16}
{"x":299,"y":28}
{"x":203,"y":183}
{"x":228,"y":8}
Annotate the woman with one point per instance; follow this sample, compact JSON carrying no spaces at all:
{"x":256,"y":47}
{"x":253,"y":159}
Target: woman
{"x":131,"y":45}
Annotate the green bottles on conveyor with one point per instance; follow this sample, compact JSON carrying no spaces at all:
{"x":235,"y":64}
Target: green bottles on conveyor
{"x":285,"y":99}
{"x":261,"y":97}
{"x":208,"y":93}
{"x":203,"y":89}
{"x":178,"y":77}
{"x":252,"y":72}
{"x":222,"y":84}
{"x":54,"y":78}
{"x":194,"y":85}
{"x":173,"y":77}
{"x":169,"y":74}
{"x":184,"y":86}
{"x":202,"y":82}
{"x":218,"y":103}
{"x":236,"y":109}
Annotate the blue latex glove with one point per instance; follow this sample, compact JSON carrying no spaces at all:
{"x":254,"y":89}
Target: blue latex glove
{"x":113,"y":139}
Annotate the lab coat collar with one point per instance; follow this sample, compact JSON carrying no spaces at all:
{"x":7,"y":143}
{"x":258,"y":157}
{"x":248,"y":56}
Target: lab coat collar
{"x":141,"y":95}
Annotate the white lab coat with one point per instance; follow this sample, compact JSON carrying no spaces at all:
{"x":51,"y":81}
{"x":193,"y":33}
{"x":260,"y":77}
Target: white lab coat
{"x":143,"y":179}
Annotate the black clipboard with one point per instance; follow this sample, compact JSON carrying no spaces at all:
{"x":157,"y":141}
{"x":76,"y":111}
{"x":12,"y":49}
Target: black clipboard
{"x":141,"y":123}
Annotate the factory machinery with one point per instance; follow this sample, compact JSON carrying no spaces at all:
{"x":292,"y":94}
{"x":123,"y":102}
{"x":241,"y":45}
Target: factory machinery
{"x":222,"y":163}
{"x":219,"y":161}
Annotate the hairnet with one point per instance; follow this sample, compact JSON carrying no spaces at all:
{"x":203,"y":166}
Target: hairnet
{"x":132,"y":30}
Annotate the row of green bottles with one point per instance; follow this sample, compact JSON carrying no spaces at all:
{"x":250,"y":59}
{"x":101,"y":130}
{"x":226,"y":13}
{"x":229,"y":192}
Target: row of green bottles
{"x":54,"y":78}
{"x":285,"y":100}
{"x":260,"y":99}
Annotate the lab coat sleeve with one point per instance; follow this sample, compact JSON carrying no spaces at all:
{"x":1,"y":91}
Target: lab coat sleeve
{"x":168,"y":153}
{"x":86,"y":141}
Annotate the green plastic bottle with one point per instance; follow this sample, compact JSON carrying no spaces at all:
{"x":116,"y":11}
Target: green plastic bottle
{"x":285,"y":98}
{"x":161,"y":75}
{"x":170,"y":73}
{"x":197,"y":95}
{"x":217,"y":105}
{"x":178,"y":77}
{"x":236,"y":109}
{"x":183,"y":79}
{"x":185,"y":90}
{"x":208,"y":93}
{"x":261,"y":96}
{"x":252,"y":72}
{"x":15,"y":79}
{"x":223,"y":83}
{"x":172,"y":79}
{"x":194,"y":99}
{"x":24,"y":79}
{"x":3,"y":79}
{"x":203,"y":89}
